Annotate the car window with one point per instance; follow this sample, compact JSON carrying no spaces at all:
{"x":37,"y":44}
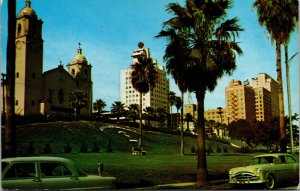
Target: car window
{"x":54,"y":170}
{"x":21,"y":170}
{"x":290,"y":159}
{"x":282,"y":159}
{"x":3,"y":165}
{"x":263,"y":160}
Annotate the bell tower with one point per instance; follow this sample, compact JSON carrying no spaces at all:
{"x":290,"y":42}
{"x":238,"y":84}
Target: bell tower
{"x":29,"y":61}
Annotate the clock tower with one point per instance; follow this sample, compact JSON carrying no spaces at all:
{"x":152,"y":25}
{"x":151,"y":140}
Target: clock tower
{"x":29,"y":62}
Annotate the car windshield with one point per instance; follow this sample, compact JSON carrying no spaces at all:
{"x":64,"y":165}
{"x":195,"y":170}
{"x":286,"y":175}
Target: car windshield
{"x":263,"y":160}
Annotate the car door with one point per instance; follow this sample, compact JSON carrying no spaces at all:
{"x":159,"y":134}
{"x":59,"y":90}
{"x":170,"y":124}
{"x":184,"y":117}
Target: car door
{"x":285,"y":170}
{"x":20,"y":175}
{"x":56,"y":175}
{"x":294,"y":166}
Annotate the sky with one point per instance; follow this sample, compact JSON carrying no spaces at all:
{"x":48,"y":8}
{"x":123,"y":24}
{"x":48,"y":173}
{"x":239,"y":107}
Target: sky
{"x":109,"y":31}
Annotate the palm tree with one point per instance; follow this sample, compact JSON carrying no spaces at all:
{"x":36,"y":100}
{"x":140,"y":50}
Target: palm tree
{"x":118,"y":109}
{"x":149,"y":114}
{"x":78,"y":100}
{"x":279,"y":18}
{"x":202,"y":44}
{"x":99,"y":106}
{"x":143,"y":78}
{"x":172,"y":99}
{"x":133,"y":111}
{"x":10,"y":128}
{"x":179,"y":104}
{"x":188,"y":119}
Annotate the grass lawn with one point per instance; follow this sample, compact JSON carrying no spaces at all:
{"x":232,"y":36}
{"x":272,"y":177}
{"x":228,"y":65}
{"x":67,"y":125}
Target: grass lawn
{"x":162,"y":163}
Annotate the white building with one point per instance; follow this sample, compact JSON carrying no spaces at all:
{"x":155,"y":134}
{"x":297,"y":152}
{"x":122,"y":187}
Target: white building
{"x":156,"y":98}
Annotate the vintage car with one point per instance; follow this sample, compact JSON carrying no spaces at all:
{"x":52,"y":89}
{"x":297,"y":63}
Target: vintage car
{"x":267,"y":169}
{"x":49,"y":173}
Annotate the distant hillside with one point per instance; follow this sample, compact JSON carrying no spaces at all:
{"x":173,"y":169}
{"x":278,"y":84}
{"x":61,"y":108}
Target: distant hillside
{"x":122,"y":138}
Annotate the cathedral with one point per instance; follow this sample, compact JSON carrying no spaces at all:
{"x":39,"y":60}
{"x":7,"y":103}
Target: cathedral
{"x":38,"y":92}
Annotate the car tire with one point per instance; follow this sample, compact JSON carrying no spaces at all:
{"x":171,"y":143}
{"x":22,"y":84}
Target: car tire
{"x":271,"y":182}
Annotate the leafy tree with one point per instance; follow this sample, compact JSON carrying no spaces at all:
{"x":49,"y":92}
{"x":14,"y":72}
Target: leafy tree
{"x":279,"y":18}
{"x":78,"y":100}
{"x":10,"y":127}
{"x":161,"y":115}
{"x":118,"y":109}
{"x":188,"y":119}
{"x":202,"y":44}
{"x":149,"y":114}
{"x":143,"y":78}
{"x":211,"y":125}
{"x":295,"y":129}
{"x":99,"y":106}
{"x":133,"y":111}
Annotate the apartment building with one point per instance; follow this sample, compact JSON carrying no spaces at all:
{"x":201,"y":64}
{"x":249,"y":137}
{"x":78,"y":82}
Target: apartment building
{"x":240,"y":101}
{"x":157,"y":97}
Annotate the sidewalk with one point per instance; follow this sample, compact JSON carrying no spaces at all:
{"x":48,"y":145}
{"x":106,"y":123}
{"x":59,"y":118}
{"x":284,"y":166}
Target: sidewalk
{"x":213,"y":185}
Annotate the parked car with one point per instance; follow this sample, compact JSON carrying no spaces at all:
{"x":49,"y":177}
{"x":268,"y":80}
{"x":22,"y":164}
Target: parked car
{"x":49,"y":173}
{"x":267,"y":169}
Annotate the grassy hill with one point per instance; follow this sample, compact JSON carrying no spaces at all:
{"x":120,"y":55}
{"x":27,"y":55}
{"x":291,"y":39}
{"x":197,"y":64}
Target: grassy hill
{"x":161,"y":164}
{"x":58,"y":134}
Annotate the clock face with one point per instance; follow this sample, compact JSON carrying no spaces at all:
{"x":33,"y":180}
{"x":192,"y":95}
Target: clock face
{"x":19,"y":45}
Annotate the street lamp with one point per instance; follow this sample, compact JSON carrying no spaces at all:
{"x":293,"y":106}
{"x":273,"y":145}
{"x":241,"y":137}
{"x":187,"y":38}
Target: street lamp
{"x":287,"y":65}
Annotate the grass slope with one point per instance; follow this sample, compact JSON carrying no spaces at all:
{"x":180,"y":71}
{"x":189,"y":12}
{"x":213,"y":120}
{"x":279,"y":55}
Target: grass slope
{"x":162,"y":164}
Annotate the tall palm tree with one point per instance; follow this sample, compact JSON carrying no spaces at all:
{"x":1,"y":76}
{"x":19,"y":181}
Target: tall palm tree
{"x":202,"y":44}
{"x":179,"y":105}
{"x":143,"y":78}
{"x":10,"y":128}
{"x":99,"y":106}
{"x":78,"y":100}
{"x":172,"y":99}
{"x":133,"y":111}
{"x":118,"y":109}
{"x":279,"y":18}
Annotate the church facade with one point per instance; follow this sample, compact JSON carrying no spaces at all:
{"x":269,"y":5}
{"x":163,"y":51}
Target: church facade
{"x":38,"y":92}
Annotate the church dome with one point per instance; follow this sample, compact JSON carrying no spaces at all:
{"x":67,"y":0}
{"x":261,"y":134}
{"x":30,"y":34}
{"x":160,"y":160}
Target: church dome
{"x":79,"y":58}
{"x":27,"y":11}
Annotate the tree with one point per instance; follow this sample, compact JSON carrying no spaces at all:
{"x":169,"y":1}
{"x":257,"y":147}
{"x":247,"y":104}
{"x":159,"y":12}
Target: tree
{"x":161,"y":115}
{"x":78,"y":100}
{"x":279,"y":18}
{"x":172,"y":100}
{"x":188,"y":119}
{"x":149,"y":114}
{"x":179,"y":104}
{"x":10,"y":128}
{"x":202,"y":44}
{"x":99,"y":106}
{"x":143,"y":78}
{"x":133,"y":111}
{"x":118,"y":109}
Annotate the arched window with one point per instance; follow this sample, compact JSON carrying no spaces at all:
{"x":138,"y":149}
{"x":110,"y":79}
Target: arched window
{"x":19,"y":29}
{"x":73,"y":71}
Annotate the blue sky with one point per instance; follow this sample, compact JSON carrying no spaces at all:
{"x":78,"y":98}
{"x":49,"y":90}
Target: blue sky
{"x":109,"y":31}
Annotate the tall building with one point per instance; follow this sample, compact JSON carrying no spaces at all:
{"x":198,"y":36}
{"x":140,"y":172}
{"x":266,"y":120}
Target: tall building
{"x":240,"y":101}
{"x":263,"y":107}
{"x":218,"y":115}
{"x":263,"y":80}
{"x":45,"y":93}
{"x":156,"y":98}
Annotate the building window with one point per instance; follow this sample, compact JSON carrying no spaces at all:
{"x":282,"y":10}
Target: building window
{"x":17,"y":102}
{"x":19,"y":29}
{"x":17,"y":75}
{"x":73,"y":71}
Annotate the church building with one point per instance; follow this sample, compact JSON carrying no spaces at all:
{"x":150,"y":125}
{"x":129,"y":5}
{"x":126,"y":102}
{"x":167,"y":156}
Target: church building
{"x":38,"y":92}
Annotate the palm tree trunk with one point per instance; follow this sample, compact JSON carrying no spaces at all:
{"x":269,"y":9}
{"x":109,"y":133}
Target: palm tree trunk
{"x":10,"y":129}
{"x":202,"y":165}
{"x":141,"y":130}
{"x":181,"y":122}
{"x":171,"y":118}
{"x":287,"y":67}
{"x":280,"y":95}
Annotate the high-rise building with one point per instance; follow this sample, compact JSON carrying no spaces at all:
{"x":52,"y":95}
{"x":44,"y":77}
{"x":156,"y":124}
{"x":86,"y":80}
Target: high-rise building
{"x":156,"y":98}
{"x":263,"y":108}
{"x":240,"y":101}
{"x":263,"y":80}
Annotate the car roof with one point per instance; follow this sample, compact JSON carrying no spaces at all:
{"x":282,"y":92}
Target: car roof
{"x":36,"y":158}
{"x":272,"y":155}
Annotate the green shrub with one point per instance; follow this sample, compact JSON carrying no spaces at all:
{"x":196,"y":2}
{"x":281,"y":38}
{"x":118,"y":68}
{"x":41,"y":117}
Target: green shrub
{"x":219,"y":150}
{"x":67,"y":148}
{"x":225,"y":150}
{"x":193,"y":150}
{"x":109,"y":147}
{"x":83,"y":148}
{"x":95,"y":148}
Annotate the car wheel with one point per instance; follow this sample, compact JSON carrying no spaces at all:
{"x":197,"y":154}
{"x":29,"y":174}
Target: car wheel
{"x":270,"y":183}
